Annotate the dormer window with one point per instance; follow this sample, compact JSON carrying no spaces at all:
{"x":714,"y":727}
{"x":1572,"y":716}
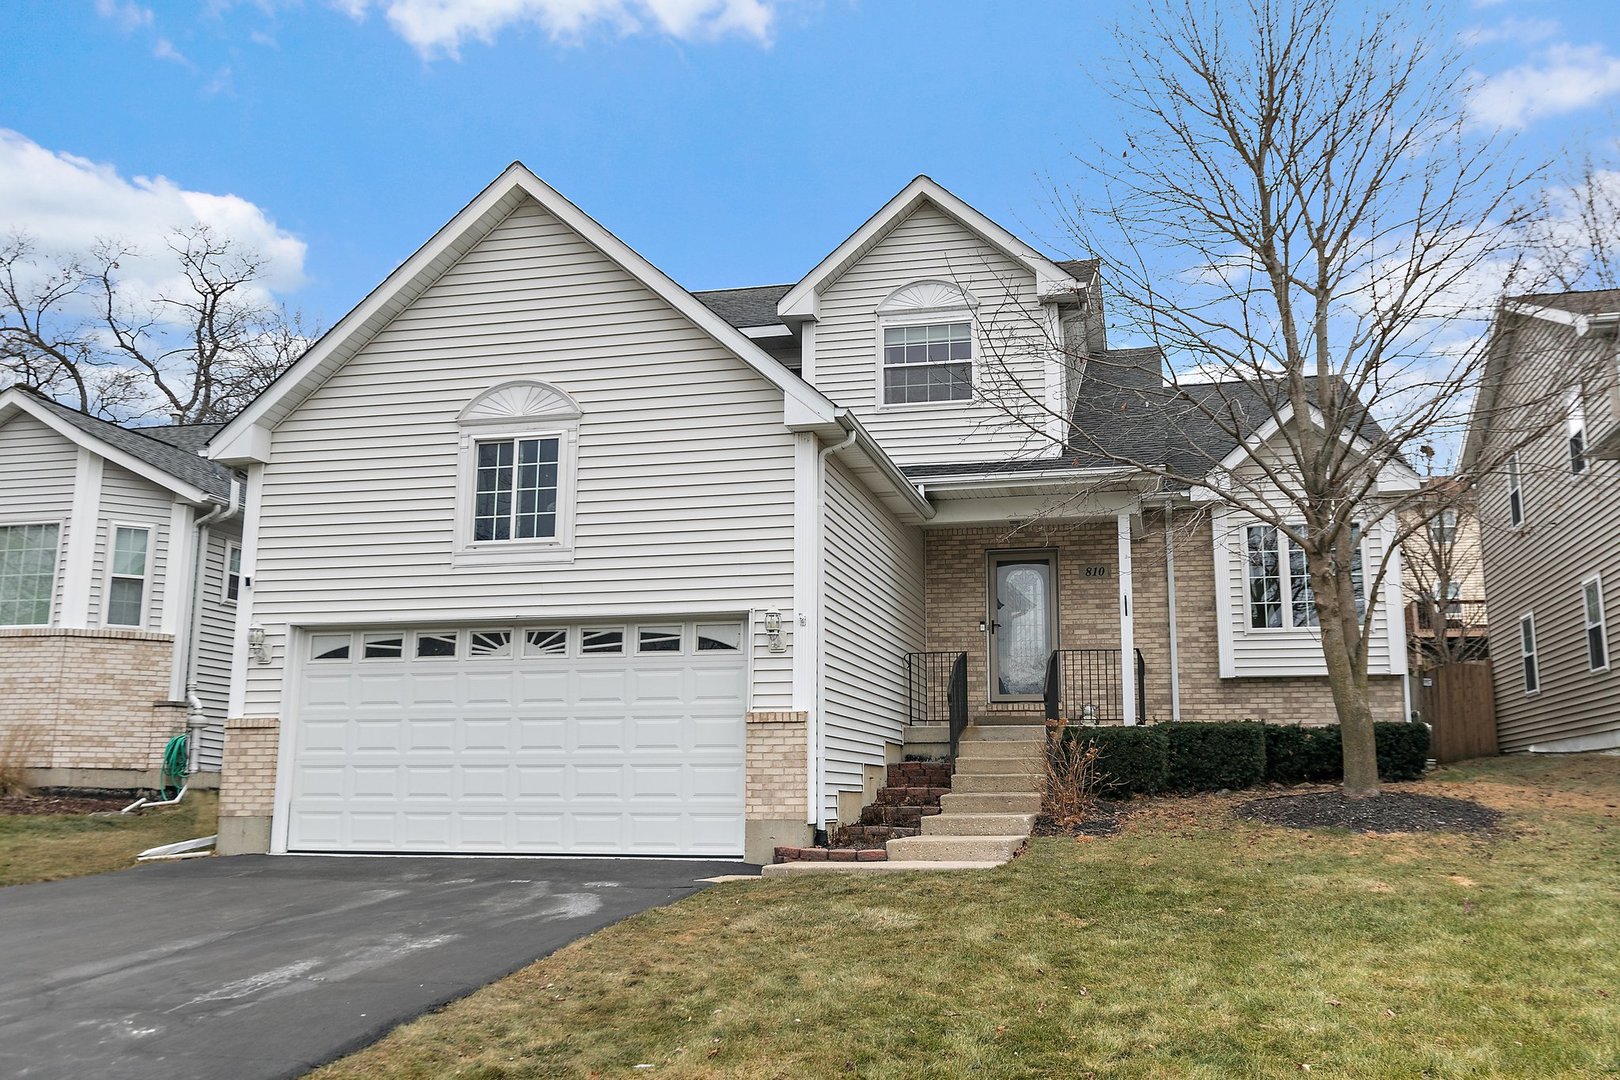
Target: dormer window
{"x":926,"y":345}
{"x":518,"y":445}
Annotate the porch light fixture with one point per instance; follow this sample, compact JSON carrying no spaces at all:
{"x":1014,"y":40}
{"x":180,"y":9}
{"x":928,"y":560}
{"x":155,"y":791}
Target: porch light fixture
{"x":256,"y":645}
{"x":1088,"y":715}
{"x":773,"y":631}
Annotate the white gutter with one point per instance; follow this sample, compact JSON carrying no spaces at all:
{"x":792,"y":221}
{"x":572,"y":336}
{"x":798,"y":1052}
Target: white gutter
{"x":1170,"y":610}
{"x":904,"y":485}
{"x":1028,"y":478}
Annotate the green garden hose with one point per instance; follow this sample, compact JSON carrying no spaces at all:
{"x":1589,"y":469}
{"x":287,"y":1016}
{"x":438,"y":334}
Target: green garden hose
{"x":175,"y":760}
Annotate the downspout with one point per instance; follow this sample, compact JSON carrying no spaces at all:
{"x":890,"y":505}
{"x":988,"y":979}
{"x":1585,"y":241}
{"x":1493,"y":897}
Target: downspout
{"x":195,"y":719}
{"x":817,"y":786}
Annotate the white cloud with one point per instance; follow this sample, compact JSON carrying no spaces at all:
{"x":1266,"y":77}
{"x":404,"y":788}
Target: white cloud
{"x":443,"y":26}
{"x":1559,"y":79}
{"x":125,"y":14}
{"x":1519,"y":31}
{"x":66,"y":203}
{"x":164,"y":49}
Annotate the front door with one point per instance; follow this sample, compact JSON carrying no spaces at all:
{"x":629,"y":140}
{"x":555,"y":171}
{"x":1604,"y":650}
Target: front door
{"x":1023,"y":623}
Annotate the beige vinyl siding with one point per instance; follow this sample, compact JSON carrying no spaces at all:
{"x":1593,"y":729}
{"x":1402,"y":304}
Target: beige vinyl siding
{"x":37,"y":467}
{"x":930,"y":245}
{"x":1571,"y":531}
{"x":213,"y":646}
{"x":685,"y":472}
{"x":1291,"y":651}
{"x":127,"y":499}
{"x":873,"y":615}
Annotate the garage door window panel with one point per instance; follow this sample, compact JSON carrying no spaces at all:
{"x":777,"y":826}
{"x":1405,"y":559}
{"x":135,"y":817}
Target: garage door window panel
{"x":719,"y":637}
{"x":658,"y":639}
{"x":437,"y":644}
{"x":383,"y":646}
{"x":601,"y":641}
{"x":330,"y":646}
{"x":545,"y":642}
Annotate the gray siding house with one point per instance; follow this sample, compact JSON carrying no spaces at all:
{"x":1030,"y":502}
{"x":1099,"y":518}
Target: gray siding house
{"x":1549,"y":519}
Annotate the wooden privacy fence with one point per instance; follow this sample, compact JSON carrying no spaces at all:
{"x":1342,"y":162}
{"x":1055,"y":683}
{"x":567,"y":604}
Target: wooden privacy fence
{"x":1459,"y":704}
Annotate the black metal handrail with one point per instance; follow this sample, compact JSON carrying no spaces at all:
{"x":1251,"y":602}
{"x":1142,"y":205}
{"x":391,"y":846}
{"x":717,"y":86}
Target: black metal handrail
{"x":1085,"y":685}
{"x":936,"y":691}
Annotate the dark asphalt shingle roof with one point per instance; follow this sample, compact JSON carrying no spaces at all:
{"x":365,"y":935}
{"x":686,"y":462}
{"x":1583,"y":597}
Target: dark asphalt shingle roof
{"x":1126,"y":410}
{"x":174,"y":450}
{"x":1588,"y":302}
{"x":752,"y":306}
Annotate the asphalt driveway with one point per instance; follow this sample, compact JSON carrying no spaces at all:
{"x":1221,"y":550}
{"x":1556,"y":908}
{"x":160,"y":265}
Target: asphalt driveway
{"x":261,"y":966}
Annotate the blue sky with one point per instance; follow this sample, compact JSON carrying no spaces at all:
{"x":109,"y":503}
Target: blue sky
{"x":730,"y":141}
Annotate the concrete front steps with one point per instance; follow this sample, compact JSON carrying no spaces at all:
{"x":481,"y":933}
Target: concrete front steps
{"x":984,"y":819}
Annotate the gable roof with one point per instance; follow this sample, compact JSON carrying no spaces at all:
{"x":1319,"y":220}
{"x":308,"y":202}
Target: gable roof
{"x":1587,"y":302}
{"x":246,"y":438}
{"x":168,"y":456}
{"x":800,"y":301}
{"x":752,"y":306}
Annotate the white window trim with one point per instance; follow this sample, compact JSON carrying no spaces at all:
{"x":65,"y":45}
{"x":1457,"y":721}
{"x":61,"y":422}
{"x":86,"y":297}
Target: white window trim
{"x":1533,"y":654}
{"x":927,"y":317}
{"x":470,"y":552}
{"x":108,"y":576}
{"x":225,"y":596}
{"x":1587,"y":624}
{"x":1515,"y":488}
{"x":56,"y":571}
{"x":1575,"y":424}
{"x":1285,"y":575}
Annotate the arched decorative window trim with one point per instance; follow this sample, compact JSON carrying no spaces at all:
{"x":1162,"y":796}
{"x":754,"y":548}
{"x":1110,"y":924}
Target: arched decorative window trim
{"x":926,"y":302}
{"x":927,"y":295}
{"x":520,"y":400}
{"x":518,"y":411}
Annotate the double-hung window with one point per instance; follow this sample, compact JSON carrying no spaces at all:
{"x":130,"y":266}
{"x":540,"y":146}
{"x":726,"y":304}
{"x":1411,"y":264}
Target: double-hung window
{"x":28,"y":556}
{"x":928,"y":362}
{"x":233,"y":572}
{"x":127,"y":570}
{"x":1575,"y":427}
{"x":515,"y":493}
{"x":1443,"y":527}
{"x":1280,"y":588}
{"x":1527,"y":653}
{"x":1515,"y":482}
{"x":1597,"y":631}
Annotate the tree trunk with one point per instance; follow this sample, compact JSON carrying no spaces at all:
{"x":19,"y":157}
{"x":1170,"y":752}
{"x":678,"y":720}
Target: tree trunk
{"x":1354,"y":707}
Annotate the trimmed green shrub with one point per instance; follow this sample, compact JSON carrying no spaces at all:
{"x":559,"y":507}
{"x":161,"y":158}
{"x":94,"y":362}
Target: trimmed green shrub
{"x":1403,"y":750}
{"x":1212,"y":757}
{"x":1132,"y":760}
{"x":1296,"y":754}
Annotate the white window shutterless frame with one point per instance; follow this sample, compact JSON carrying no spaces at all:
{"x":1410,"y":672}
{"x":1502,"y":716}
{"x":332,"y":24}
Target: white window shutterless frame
{"x":29,"y":555}
{"x":526,"y":432}
{"x":128,"y":587}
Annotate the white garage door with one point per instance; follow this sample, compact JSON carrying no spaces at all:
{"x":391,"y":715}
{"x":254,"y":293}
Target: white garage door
{"x":600,"y":740}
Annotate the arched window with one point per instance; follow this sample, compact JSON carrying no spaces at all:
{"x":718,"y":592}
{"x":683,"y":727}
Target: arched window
{"x":519,"y":441}
{"x":926,"y":344}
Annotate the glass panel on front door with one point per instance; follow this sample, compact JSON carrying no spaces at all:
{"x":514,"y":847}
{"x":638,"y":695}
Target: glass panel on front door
{"x":1022,"y":633}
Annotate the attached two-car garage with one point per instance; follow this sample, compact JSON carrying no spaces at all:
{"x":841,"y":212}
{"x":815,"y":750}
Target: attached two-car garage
{"x":602,"y":739}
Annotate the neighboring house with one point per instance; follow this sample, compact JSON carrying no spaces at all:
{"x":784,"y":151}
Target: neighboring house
{"x":1550,"y":517}
{"x":117,"y":587}
{"x":1446,"y":619}
{"x":550,"y":555}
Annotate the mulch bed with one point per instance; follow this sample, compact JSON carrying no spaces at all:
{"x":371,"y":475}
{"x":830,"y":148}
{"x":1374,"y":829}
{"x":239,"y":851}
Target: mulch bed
{"x":1106,"y":820}
{"x":1392,"y":811}
{"x":63,"y":804}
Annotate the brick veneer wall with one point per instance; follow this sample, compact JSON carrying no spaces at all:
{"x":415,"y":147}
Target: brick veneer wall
{"x":247,"y":785}
{"x":774,"y":767}
{"x":958,"y":588}
{"x":88,"y":699}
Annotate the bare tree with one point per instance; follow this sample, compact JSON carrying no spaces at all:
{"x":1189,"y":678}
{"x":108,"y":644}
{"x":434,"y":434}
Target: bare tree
{"x":1304,"y":222}
{"x":196,"y":352}
{"x":1444,"y":577}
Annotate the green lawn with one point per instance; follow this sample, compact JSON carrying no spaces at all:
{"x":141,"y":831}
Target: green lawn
{"x":48,"y":847}
{"x":1191,"y":945}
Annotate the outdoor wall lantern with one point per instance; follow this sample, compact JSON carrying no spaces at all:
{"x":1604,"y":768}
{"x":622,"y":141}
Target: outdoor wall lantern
{"x":773,"y":631}
{"x":256,"y":645}
{"x":1088,"y":715}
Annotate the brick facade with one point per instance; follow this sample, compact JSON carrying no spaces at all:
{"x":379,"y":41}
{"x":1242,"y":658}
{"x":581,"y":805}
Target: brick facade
{"x":88,"y":705}
{"x":247,"y":786}
{"x":958,"y":590}
{"x":774,"y":768}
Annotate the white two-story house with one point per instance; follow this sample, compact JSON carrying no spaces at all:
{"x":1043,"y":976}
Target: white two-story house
{"x":547,"y":554}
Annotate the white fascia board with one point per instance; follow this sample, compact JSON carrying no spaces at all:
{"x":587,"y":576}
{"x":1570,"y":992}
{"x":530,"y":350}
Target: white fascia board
{"x":19,"y":400}
{"x":902,"y":485}
{"x":761,"y":333}
{"x":948,"y":484}
{"x":426,"y":264}
{"x":801,"y":301}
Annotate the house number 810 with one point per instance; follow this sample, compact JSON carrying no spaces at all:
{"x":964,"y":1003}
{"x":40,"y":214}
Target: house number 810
{"x":1096,"y":571}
